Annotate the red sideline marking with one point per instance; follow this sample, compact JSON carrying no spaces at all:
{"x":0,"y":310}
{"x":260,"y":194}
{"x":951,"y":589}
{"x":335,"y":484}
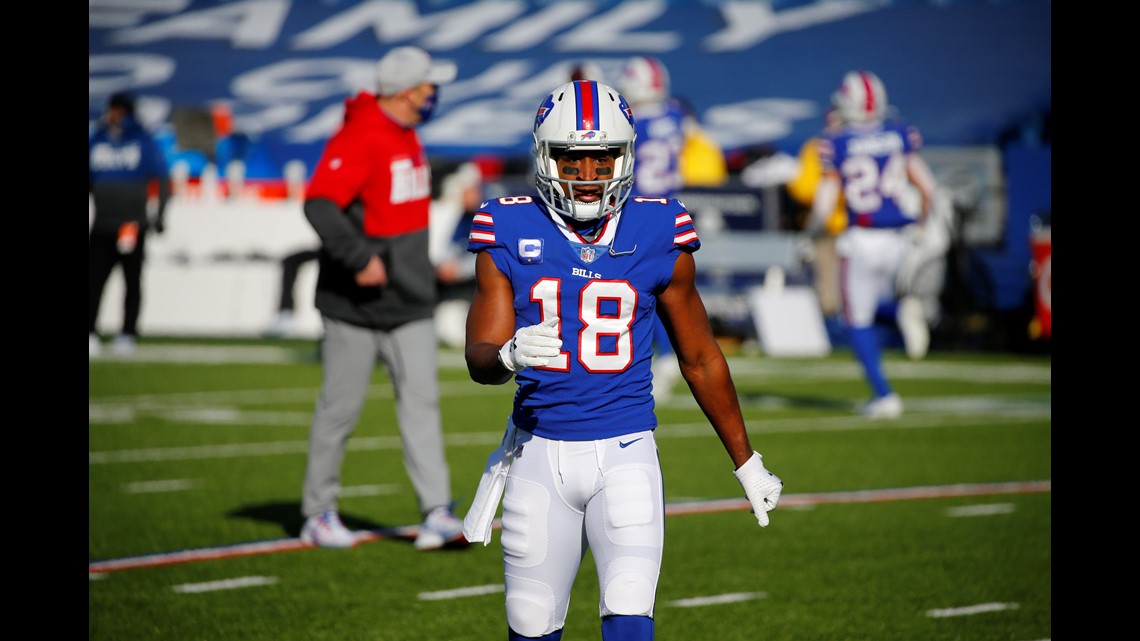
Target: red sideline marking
{"x":408,"y":532}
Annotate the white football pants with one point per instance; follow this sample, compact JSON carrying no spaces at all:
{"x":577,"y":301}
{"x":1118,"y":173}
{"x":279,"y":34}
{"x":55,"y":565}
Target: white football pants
{"x":870,"y":260}
{"x":563,"y":497}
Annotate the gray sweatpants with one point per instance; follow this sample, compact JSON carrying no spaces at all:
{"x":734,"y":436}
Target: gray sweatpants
{"x":349,"y":355}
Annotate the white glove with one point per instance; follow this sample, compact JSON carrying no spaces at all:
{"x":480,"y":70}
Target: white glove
{"x":760,"y":486}
{"x":531,"y":346}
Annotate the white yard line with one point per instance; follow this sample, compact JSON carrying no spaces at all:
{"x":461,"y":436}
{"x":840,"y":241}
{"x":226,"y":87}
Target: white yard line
{"x":225,"y":584}
{"x":981,"y":510}
{"x":169,"y":485}
{"x":971,"y":609}
{"x":717,"y":599}
{"x":475,"y":590}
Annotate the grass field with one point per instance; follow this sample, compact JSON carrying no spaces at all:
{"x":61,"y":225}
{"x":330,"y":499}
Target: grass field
{"x":933,"y":527}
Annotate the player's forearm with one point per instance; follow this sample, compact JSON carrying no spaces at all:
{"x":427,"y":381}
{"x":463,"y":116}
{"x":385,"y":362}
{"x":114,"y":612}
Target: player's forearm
{"x":715,"y":393}
{"x":483,"y":364}
{"x":826,"y":197}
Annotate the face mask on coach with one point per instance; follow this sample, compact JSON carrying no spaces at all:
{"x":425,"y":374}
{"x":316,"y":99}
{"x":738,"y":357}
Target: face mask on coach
{"x":427,"y":110}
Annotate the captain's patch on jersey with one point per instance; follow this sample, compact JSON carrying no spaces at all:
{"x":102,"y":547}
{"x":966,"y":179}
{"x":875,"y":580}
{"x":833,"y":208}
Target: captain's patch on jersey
{"x":530,"y":251}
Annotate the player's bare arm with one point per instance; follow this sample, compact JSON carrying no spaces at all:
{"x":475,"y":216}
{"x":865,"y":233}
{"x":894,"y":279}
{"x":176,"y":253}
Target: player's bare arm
{"x":490,"y":323}
{"x":919,"y":173}
{"x":701,"y":360}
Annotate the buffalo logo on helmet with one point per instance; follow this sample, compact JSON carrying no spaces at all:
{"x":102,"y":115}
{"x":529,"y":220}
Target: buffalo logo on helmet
{"x":625,"y":109}
{"x":544,"y":110}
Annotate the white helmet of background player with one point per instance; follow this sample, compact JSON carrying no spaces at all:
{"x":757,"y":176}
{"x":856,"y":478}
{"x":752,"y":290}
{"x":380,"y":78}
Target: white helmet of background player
{"x":644,"y":79}
{"x":585,"y":114}
{"x":860,"y":98}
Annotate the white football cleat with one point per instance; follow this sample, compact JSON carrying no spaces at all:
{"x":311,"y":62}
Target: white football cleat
{"x":438,"y":529}
{"x":124,"y":345}
{"x":912,"y":325}
{"x":325,"y":530}
{"x":283,"y":325}
{"x":889,"y":406}
{"x":94,"y":345}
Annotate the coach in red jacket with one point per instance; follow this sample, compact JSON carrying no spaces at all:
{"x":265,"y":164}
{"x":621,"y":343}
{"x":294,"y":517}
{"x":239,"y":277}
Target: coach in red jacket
{"x":368,"y":201}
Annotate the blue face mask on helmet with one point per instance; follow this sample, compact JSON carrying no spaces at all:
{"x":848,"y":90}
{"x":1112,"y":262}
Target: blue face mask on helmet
{"x":427,"y":110}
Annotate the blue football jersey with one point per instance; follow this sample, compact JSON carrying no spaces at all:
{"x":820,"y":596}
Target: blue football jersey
{"x":657,"y":149}
{"x":604,"y":292}
{"x":871,"y":161}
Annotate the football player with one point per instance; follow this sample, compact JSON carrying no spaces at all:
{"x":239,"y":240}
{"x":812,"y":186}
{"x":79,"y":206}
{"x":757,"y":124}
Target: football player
{"x":874,"y":162}
{"x":659,"y":121}
{"x":568,"y":287}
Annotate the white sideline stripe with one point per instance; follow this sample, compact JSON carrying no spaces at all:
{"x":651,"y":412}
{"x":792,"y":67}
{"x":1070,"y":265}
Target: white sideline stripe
{"x":732,"y":597}
{"x":225,"y":584}
{"x":172,"y":485}
{"x":971,"y":609}
{"x":664,"y":430}
{"x":671,"y":509}
{"x":370,"y":490}
{"x":981,"y":510}
{"x":476,"y":590}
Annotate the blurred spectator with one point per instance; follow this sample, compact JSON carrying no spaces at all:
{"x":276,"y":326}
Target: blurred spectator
{"x":451,"y":217}
{"x":125,"y":168}
{"x":284,"y":321}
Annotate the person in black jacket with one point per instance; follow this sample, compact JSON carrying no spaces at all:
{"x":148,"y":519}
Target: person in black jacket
{"x":124,"y":163}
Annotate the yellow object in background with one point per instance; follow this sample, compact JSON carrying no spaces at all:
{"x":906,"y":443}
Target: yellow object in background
{"x":702,"y":160}
{"x":802,"y":187}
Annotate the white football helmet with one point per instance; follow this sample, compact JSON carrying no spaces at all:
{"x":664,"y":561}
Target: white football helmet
{"x":644,"y":79}
{"x":584,"y":114}
{"x":861,"y":98}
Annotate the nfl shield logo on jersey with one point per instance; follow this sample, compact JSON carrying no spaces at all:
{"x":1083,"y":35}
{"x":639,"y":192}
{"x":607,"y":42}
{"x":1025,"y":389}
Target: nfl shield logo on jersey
{"x":588,"y":254}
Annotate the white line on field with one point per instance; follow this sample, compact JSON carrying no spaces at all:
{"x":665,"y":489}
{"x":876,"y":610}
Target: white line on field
{"x":971,"y":609}
{"x":664,"y":430}
{"x":981,"y":510}
{"x":171,"y":485}
{"x":225,"y":584}
{"x":475,"y":590}
{"x":732,"y":597}
{"x":370,"y":490}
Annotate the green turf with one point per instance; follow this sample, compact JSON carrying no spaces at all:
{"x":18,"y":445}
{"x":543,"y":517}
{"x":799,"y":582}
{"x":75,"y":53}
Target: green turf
{"x":194,"y":455}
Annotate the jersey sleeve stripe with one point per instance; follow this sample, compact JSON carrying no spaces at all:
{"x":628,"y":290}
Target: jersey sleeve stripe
{"x":683,"y":219}
{"x":481,"y":237}
{"x":483,"y":219}
{"x":685,"y":237}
